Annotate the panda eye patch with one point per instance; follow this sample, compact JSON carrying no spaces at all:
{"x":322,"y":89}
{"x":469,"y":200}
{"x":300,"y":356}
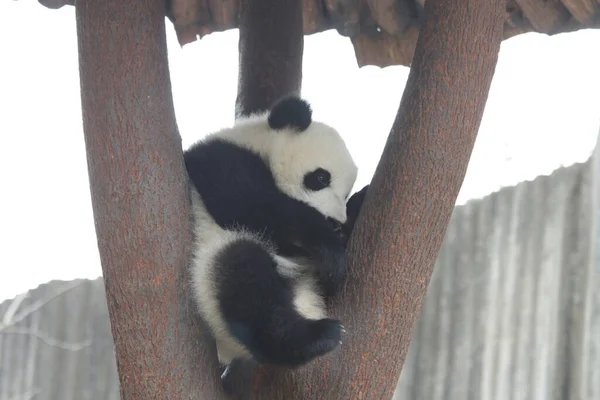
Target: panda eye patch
{"x":317,"y":179}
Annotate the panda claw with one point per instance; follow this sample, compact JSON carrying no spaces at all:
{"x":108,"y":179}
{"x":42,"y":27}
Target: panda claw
{"x":226,"y":372}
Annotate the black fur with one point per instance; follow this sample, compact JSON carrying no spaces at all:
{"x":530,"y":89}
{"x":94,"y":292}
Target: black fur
{"x":290,"y":112}
{"x":353,"y":206}
{"x":257,"y":304}
{"x":240,"y":190}
{"x":318,"y":179}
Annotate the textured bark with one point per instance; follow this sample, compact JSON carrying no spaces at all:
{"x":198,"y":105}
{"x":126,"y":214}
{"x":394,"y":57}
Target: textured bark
{"x":271,"y":45}
{"x":408,"y":208}
{"x":140,"y":203}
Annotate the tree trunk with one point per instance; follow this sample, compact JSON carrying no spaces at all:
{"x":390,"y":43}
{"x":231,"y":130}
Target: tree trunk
{"x":401,"y":228}
{"x":140,"y":202}
{"x":271,"y":45}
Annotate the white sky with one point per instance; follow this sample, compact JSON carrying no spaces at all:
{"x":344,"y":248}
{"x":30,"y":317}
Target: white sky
{"x":543,"y":112}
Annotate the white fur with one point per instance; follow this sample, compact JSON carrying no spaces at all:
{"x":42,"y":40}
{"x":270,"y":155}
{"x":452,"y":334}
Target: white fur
{"x":289,"y":155}
{"x":209,"y":239}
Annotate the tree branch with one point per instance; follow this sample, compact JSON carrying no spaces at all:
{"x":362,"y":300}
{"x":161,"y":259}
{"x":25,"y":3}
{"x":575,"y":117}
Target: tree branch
{"x":140,"y":201}
{"x":407,"y":209}
{"x":271,"y":44}
{"x":50,"y":341}
{"x":11,"y":317}
{"x":12,"y":309}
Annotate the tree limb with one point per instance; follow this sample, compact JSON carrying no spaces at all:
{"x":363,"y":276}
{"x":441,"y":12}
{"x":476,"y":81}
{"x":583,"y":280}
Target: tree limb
{"x":50,"y":341}
{"x":12,"y":317}
{"x":271,"y":45}
{"x":140,"y":201}
{"x":407,"y":209}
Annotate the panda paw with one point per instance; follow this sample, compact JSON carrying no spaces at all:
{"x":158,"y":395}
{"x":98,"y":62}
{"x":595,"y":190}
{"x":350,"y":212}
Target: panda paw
{"x":331,"y":269}
{"x":327,"y":328}
{"x":353,"y":207}
{"x":325,"y":335}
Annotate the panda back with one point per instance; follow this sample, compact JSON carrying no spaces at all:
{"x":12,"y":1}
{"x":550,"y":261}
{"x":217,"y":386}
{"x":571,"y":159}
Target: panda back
{"x":230,"y":179}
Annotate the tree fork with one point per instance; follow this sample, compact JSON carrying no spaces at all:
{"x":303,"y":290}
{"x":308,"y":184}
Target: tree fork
{"x":407,"y":210}
{"x":139,"y":196}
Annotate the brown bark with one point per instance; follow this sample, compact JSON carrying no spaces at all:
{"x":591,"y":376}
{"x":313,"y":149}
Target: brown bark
{"x":409,"y":206}
{"x":271,"y":45}
{"x":140,"y":203}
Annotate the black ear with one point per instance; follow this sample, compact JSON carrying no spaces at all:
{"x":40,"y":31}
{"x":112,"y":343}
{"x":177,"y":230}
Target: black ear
{"x":290,"y":112}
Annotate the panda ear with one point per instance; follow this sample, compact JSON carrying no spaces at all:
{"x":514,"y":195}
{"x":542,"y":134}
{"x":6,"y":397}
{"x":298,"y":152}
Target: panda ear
{"x":290,"y":112}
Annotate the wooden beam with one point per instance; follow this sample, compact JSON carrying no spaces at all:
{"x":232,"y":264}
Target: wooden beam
{"x":546,"y":16}
{"x":585,"y":11}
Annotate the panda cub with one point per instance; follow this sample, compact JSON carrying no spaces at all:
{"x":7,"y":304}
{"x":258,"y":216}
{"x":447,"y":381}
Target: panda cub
{"x":271,"y":227}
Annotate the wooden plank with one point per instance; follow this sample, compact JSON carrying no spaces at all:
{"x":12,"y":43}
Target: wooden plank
{"x":545,"y":16}
{"x":585,"y":11}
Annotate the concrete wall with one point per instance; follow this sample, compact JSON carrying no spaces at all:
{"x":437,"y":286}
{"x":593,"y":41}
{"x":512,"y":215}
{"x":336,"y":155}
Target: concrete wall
{"x":56,"y":344}
{"x":513,"y":307}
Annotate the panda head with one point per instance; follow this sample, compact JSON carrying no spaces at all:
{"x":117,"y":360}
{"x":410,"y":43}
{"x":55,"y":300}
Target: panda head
{"x":309,"y":160}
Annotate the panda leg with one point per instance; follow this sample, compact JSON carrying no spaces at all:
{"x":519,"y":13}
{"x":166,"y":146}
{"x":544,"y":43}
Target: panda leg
{"x":257,"y":304}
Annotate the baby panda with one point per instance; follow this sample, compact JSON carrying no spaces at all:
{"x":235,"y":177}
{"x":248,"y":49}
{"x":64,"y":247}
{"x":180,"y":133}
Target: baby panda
{"x":271,"y":223}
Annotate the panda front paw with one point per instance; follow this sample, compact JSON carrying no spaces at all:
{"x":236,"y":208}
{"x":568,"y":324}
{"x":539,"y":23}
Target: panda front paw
{"x":353,"y":207}
{"x":331,"y":269}
{"x":320,"y":337}
{"x":326,"y":335}
{"x":310,"y":339}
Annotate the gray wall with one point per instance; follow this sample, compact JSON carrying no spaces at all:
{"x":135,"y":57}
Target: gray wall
{"x":57,"y":345}
{"x":512,"y":311}
{"x":513,"y":307}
